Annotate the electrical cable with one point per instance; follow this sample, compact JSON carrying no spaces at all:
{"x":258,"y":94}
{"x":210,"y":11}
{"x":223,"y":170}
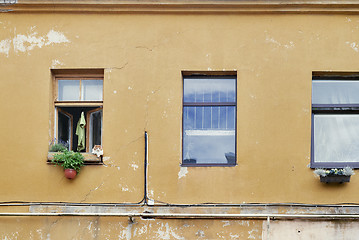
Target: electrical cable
{"x":144,"y":201}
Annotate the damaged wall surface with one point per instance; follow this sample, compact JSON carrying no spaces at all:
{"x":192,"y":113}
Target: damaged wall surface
{"x":272,"y":47}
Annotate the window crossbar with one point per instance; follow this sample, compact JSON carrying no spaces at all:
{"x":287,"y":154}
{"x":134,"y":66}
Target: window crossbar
{"x":209,"y":104}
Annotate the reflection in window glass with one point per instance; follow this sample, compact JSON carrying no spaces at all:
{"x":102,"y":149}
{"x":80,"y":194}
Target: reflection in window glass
{"x":96,"y":128}
{"x":209,"y":147}
{"x":335,"y":92}
{"x":209,"y":90}
{"x":69,"y":90}
{"x":218,"y":117}
{"x":209,"y":120}
{"x":336,"y":138}
{"x":64,"y":128}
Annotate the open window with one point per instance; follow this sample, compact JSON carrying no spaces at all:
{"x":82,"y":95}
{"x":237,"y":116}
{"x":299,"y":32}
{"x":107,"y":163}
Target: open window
{"x":78,"y":111}
{"x":66,"y":129}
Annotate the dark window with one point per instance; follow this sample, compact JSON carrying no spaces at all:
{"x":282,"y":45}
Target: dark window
{"x":209,"y":120}
{"x":335,"y":121}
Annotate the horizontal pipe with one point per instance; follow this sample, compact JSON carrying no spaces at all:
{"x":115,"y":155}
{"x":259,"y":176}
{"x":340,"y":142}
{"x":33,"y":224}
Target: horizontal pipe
{"x":67,"y":204}
{"x":188,"y":215}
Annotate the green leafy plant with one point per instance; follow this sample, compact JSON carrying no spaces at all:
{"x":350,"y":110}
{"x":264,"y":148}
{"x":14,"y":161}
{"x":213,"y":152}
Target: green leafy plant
{"x":57,"y":147}
{"x":347,"y":171}
{"x":69,"y":159}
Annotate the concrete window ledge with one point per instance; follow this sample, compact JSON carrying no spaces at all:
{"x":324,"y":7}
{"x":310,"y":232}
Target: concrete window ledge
{"x":89,"y":158}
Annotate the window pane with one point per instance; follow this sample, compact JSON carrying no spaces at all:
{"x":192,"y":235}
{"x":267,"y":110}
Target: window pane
{"x":91,"y":90}
{"x":68,"y":90}
{"x":198,"y":118}
{"x":63,"y":128}
{"x":202,"y":118}
{"x":209,"y":90}
{"x":206,"y":141}
{"x":95,"y":128}
{"x":335,"y":92}
{"x":209,"y":146}
{"x":336,"y":138}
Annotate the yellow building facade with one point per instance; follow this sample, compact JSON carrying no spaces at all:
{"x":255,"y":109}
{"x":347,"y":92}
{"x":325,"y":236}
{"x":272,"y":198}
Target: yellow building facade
{"x":142,"y":51}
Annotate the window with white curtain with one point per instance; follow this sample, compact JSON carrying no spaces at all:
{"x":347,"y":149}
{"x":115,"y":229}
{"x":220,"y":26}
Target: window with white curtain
{"x":209,"y":120}
{"x":335,"y":121}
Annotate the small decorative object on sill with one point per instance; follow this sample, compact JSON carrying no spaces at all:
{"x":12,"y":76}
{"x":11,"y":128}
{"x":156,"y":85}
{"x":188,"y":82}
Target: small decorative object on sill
{"x":190,"y":161}
{"x":335,"y":175}
{"x":231,"y":158}
{"x":97,"y":150}
{"x":70,"y":161}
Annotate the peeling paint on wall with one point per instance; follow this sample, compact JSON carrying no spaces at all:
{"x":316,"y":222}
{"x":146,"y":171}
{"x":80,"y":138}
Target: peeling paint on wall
{"x":56,"y":63}
{"x":134,"y":166}
{"x":297,"y":230}
{"x":272,"y":40}
{"x":167,"y":232}
{"x":252,"y":233}
{"x":225,"y":223}
{"x":200,"y":234}
{"x":5,"y":46}
{"x":234,"y":236}
{"x":353,"y":45}
{"x":56,"y":37}
{"x":183,"y":172}
{"x":27,"y":42}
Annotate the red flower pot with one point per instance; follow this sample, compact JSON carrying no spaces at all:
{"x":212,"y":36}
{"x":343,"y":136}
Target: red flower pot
{"x":70,"y":173}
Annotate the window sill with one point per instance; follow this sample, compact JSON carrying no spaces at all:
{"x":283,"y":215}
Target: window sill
{"x":328,"y":165}
{"x":90,"y":159}
{"x":207,"y":165}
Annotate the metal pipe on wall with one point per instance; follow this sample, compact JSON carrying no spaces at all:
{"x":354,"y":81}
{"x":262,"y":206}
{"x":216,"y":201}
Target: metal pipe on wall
{"x":190,"y":216}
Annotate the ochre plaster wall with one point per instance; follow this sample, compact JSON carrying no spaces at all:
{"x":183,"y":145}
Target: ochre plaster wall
{"x":143,"y":56}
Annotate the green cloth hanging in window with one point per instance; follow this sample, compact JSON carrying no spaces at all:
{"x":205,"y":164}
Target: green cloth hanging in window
{"x":80,"y":132}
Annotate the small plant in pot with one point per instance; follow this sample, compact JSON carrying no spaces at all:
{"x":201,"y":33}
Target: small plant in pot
{"x":338,"y":175}
{"x":58,"y":145}
{"x":70,"y":161}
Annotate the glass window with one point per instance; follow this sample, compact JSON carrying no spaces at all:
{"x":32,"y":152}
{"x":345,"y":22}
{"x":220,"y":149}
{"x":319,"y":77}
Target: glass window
{"x":79,"y":101}
{"x":69,"y":90}
{"x":335,"y":92}
{"x":80,"y":90}
{"x":209,"y":120}
{"x":335,"y":122}
{"x":91,"y":90}
{"x":95,"y":124}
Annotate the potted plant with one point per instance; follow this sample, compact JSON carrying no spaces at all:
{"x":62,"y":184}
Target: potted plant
{"x":334,"y":175}
{"x":70,"y":161}
{"x":57,"y":147}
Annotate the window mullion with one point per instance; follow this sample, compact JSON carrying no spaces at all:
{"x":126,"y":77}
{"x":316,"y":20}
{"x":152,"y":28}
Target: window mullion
{"x":80,"y":96}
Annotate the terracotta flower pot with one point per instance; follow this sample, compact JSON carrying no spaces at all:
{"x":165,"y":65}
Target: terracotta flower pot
{"x":70,"y":173}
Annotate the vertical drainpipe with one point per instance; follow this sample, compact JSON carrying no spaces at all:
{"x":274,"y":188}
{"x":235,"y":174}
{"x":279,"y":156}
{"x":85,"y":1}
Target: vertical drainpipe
{"x":145,"y":170}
